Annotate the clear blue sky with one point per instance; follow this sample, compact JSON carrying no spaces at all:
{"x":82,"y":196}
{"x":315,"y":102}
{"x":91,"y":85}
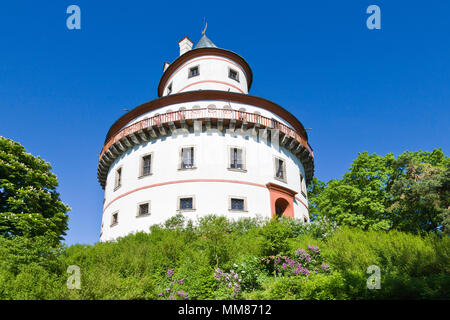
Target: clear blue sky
{"x":382,"y":90}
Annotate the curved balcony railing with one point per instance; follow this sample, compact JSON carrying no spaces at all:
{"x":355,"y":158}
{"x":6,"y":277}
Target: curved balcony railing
{"x":206,"y":113}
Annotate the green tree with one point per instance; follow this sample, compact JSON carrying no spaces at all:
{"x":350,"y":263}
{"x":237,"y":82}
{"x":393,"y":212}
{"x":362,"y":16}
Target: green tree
{"x":421,"y":193}
{"x":29,"y":203}
{"x":408,"y":193}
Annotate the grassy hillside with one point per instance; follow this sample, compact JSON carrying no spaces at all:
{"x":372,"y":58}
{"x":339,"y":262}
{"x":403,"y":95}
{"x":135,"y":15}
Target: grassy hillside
{"x":218,"y":259}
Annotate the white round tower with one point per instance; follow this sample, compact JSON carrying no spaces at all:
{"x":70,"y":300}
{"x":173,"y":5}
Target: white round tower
{"x":205,"y":146}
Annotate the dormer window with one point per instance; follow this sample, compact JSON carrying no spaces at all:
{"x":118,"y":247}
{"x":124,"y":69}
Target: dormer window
{"x":233,"y":74}
{"x":193,"y":72}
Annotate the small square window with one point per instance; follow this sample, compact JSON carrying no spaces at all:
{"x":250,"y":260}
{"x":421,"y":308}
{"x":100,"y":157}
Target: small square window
{"x":143,"y":209}
{"x":187,"y":158}
{"x":193,"y":72}
{"x":233,"y":74}
{"x":114,"y":219}
{"x":186,"y":204}
{"x":237,"y":204}
{"x":146,"y":165}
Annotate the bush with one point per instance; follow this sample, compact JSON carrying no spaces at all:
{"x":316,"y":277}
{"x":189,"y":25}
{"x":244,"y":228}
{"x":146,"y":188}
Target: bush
{"x":136,"y":266}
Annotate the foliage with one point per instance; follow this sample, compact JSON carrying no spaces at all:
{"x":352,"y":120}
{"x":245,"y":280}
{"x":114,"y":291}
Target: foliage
{"x":421,"y":196}
{"x":29,"y":203}
{"x":408,"y":193}
{"x":301,"y":264}
{"x":229,"y":284}
{"x":173,"y":288}
{"x":136,"y":266}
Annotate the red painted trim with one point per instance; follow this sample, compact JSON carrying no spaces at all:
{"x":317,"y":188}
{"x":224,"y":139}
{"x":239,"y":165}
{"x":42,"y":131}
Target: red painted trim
{"x":185,"y":181}
{"x":213,"y":81}
{"x":300,"y":200}
{"x":190,"y":96}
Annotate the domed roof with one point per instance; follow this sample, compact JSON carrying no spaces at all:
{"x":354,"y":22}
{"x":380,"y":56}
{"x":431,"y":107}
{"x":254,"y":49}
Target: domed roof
{"x":205,"y":43}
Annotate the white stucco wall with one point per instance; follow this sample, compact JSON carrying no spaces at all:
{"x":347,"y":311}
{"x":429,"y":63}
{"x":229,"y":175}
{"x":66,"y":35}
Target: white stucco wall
{"x":211,"y":157}
{"x":213,"y":75}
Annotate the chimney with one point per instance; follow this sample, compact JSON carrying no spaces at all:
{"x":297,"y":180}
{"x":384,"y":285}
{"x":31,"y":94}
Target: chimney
{"x":185,"y":45}
{"x":166,"y":65}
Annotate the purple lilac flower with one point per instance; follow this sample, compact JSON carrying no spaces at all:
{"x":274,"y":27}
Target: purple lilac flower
{"x":169,"y":272}
{"x":181,"y":281}
{"x":284,"y":266}
{"x":160,"y":294}
{"x":325,"y":267}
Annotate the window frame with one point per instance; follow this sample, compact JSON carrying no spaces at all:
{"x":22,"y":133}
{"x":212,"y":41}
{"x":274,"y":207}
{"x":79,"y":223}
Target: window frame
{"x":194,"y":158}
{"x":235,"y":71}
{"x":114,"y":223}
{"x":230,"y":199}
{"x":244,"y":162}
{"x":179,"y":198}
{"x":190,"y":71}
{"x":141,"y":165}
{"x":138,"y":211}
{"x":118,"y":181}
{"x":302,"y":185}
{"x":275,"y":161}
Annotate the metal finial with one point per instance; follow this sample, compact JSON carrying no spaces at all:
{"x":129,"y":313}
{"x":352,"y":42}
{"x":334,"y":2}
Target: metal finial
{"x":204,"y":30}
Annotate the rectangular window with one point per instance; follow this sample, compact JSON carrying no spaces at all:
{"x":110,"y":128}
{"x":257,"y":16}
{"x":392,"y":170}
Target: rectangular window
{"x":114,"y":219}
{"x":146,"y":165}
{"x":187,"y":158}
{"x":118,"y":179}
{"x":186,"y":203}
{"x":237,"y":204}
{"x":237,"y":158}
{"x":169,"y":89}
{"x":233,"y":74}
{"x":302,"y":185}
{"x":280,"y":169}
{"x":143,"y":209}
{"x":193,"y":72}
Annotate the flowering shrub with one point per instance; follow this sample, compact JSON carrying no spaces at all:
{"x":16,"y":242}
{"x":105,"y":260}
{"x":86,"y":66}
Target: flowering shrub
{"x":321,"y":228}
{"x":229,"y":281}
{"x":250,"y":271}
{"x":173,"y":292}
{"x":303,"y":263}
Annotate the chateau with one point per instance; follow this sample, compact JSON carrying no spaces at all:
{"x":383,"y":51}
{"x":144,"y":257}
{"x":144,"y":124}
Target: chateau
{"x":205,"y":146}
